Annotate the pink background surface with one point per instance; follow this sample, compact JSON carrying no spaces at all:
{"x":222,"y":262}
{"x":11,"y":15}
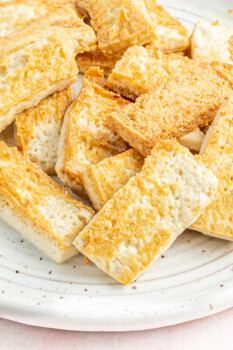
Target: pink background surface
{"x":214,"y":332}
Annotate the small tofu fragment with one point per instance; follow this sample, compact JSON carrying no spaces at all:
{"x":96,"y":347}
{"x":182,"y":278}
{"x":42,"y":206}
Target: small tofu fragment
{"x":217,"y":154}
{"x":103,"y":179}
{"x":38,"y":129}
{"x":37,"y":207}
{"x":32,"y":68}
{"x":171,"y":111}
{"x":146,"y":215}
{"x":84,"y":139}
{"x":193,"y":140}
{"x":143,"y":69}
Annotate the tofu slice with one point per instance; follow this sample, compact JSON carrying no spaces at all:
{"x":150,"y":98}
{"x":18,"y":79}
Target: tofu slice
{"x":37,"y":207}
{"x":32,"y":68}
{"x":103,"y":179}
{"x":38,"y":129}
{"x":84,"y":139}
{"x":18,"y":15}
{"x":180,"y":106}
{"x":143,"y":69}
{"x":168,"y":34}
{"x":96,"y":58}
{"x":119,"y":24}
{"x":212,"y":42}
{"x":145,"y":216}
{"x":193,"y":140}
{"x":217,"y":154}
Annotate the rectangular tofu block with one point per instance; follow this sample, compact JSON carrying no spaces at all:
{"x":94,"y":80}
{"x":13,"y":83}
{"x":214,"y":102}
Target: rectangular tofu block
{"x":37,"y":207}
{"x":146,"y":215}
{"x":143,"y":69}
{"x":103,"y":179}
{"x":171,"y":111}
{"x":18,"y":15}
{"x":119,"y":24}
{"x":84,"y":139}
{"x":32,"y":68}
{"x":217,"y":155}
{"x":38,"y":129}
{"x":212,"y":42}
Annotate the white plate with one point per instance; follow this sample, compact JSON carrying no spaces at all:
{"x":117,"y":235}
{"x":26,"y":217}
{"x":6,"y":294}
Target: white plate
{"x":192,"y":280}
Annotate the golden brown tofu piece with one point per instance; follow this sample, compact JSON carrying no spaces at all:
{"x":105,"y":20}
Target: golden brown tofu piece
{"x":37,"y":207}
{"x":38,"y":129}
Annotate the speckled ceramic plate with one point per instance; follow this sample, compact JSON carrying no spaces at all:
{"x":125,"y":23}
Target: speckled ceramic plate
{"x":193,"y":279}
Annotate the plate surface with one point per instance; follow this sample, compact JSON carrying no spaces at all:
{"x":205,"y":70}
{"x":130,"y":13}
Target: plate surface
{"x":193,"y":279}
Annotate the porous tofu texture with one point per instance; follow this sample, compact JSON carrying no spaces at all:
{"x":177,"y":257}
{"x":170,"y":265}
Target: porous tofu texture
{"x":103,"y":179}
{"x":38,"y":129}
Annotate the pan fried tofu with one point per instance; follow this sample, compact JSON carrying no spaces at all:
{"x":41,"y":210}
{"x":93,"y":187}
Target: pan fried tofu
{"x":119,"y":24}
{"x":142,"y":69}
{"x":38,"y":129}
{"x":180,"y":106}
{"x":168,"y":34}
{"x":18,"y":15}
{"x":84,"y":139}
{"x":146,"y":215}
{"x":96,"y":58}
{"x":103,"y":179}
{"x":217,"y":154}
{"x":37,"y":207}
{"x":32,"y":68}
{"x":211,"y":42}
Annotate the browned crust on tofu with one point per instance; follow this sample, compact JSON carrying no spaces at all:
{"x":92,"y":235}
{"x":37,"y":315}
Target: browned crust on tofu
{"x":180,"y":106}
